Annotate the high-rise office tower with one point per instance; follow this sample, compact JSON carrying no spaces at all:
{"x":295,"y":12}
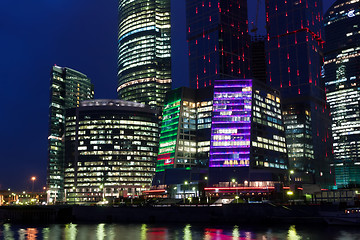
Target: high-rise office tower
{"x":247,"y":135}
{"x":68,"y":87}
{"x":144,"y":48}
{"x":258,"y":58}
{"x":294,"y":58}
{"x":218,"y":38}
{"x":342,"y":80}
{"x":185,"y":132}
{"x":111,"y":148}
{"x":186,"y":113}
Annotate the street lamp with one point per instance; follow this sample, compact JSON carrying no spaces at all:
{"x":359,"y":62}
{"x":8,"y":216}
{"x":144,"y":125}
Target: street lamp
{"x":185,"y":183}
{"x":290,"y":194}
{"x":103,"y":193}
{"x":291,"y":173}
{"x":33,"y":181}
{"x":233,"y":181}
{"x":74,"y":194}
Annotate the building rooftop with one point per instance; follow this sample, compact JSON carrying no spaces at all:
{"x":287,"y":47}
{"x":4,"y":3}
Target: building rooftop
{"x":111,"y":102}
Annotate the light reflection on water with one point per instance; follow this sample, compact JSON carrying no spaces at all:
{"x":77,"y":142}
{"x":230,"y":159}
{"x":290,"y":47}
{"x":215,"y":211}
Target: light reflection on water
{"x":292,"y":234}
{"x":172,"y":232}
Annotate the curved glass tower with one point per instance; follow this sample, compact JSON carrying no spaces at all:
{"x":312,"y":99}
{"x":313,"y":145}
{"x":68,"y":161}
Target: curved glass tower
{"x":342,"y":77}
{"x":144,"y":48}
{"x":111,"y":148}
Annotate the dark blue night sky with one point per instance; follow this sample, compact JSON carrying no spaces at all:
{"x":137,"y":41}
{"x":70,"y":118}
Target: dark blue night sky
{"x":34,"y":35}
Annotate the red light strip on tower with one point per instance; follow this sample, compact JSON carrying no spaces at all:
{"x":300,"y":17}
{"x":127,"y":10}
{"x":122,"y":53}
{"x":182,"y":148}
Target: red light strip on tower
{"x":237,"y":188}
{"x":315,"y":36}
{"x":155,"y":191}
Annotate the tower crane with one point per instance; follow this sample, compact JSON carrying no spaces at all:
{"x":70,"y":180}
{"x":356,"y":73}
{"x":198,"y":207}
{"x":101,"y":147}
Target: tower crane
{"x":255,"y":26}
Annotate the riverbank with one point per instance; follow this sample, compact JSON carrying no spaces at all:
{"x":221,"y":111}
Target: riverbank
{"x":232,"y":213}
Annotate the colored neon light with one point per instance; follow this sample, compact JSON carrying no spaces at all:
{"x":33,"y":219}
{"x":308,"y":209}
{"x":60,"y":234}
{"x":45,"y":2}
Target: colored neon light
{"x":237,"y":188}
{"x":155,"y":191}
{"x":169,"y":132}
{"x":314,"y":35}
{"x":232,"y":110}
{"x":138,"y":30}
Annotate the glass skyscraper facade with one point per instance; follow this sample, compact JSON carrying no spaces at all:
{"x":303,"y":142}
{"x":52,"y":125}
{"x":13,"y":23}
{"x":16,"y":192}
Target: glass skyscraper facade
{"x":144,"y":48}
{"x":67,"y":88}
{"x":218,"y":39}
{"x":247,"y":134}
{"x":111,"y":149}
{"x":258,"y":58}
{"x":185,"y":130}
{"x":294,"y":59}
{"x":342,"y":76}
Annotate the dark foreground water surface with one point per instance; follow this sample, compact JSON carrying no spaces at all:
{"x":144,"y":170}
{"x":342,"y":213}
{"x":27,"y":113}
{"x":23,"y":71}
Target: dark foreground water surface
{"x":176,"y":232}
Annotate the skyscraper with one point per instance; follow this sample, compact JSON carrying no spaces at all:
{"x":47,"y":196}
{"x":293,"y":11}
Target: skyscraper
{"x":184,"y":142}
{"x":342,"y":76}
{"x":144,"y":48}
{"x":258,"y":58}
{"x":294,"y":58}
{"x":111,"y":148}
{"x":68,"y":87}
{"x":218,"y":38}
{"x":247,"y":134}
{"x":185,"y":131}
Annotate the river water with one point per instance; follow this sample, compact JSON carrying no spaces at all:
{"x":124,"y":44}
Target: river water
{"x":175,"y":232}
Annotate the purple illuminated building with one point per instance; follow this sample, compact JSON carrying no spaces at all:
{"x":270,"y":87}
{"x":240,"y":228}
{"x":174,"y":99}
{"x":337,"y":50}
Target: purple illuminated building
{"x":231,"y":124}
{"x":247,"y":136}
